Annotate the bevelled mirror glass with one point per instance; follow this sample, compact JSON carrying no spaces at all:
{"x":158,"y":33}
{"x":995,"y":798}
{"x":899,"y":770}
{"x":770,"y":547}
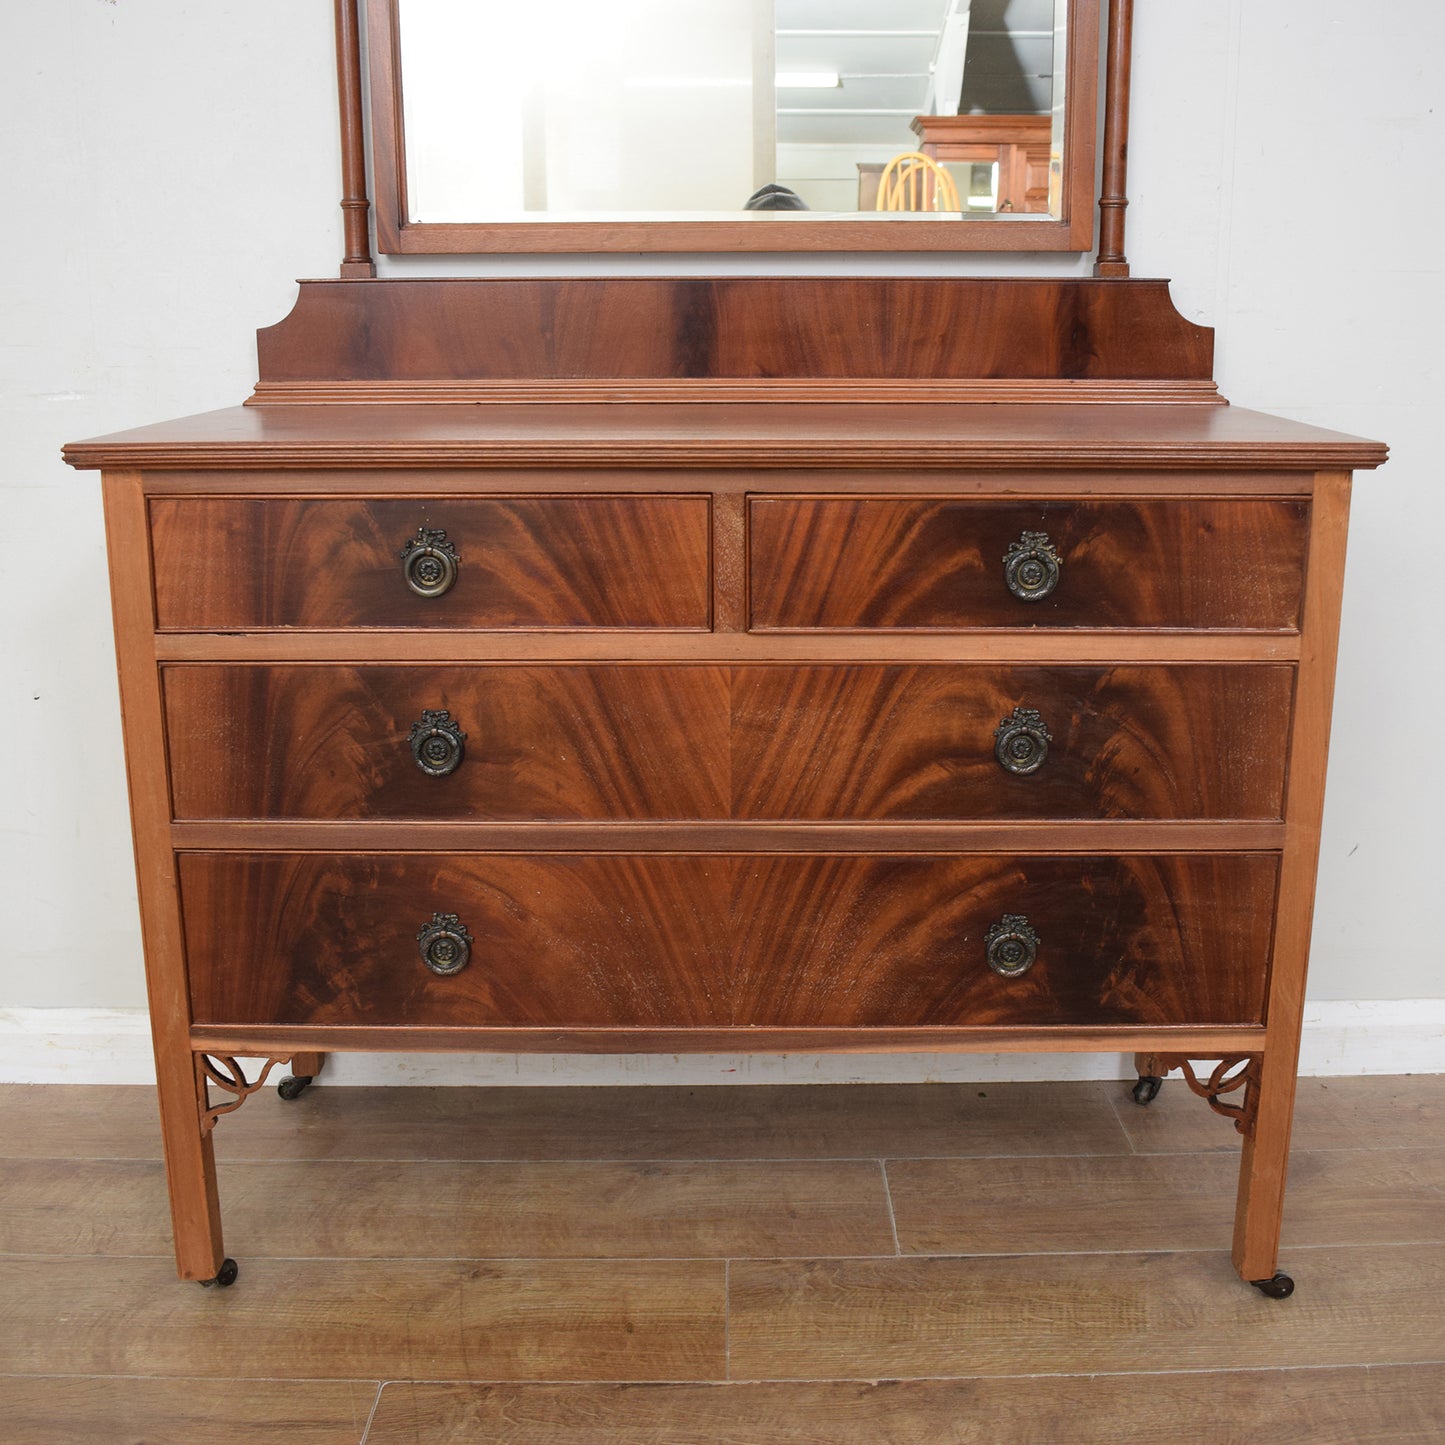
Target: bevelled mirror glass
{"x":733,"y":124}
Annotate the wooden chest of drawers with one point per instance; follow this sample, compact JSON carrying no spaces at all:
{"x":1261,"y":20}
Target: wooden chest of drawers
{"x":640,"y":716}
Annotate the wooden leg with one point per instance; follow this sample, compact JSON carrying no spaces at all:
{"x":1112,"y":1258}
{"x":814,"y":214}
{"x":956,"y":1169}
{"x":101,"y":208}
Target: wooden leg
{"x":190,"y":1167}
{"x":304,"y":1069}
{"x":1262,"y":1170}
{"x":1266,"y":1148}
{"x":1151,"y":1069}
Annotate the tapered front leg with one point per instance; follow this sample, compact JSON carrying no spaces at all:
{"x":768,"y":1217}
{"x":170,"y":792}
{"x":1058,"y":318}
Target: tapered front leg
{"x":1265,"y":1161}
{"x":190,"y":1166}
{"x":1263,"y":1166}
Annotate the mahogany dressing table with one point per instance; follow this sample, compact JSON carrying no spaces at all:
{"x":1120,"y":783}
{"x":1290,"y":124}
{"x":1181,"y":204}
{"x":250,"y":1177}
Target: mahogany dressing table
{"x":728,"y":664}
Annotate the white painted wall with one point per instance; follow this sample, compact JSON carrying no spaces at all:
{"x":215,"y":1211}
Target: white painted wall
{"x":170,"y":167}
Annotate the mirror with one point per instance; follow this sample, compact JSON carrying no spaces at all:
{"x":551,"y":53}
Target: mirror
{"x":769,"y":125}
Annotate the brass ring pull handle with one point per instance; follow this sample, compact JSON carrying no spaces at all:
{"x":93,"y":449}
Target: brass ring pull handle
{"x":1011,"y":946}
{"x":437,"y":743}
{"x":429,"y":562}
{"x":1021,"y":742}
{"x":445,"y":943}
{"x":1031,"y":567}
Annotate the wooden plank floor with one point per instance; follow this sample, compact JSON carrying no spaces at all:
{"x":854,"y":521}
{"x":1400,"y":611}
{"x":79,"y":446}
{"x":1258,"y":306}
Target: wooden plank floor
{"x":932,"y":1263}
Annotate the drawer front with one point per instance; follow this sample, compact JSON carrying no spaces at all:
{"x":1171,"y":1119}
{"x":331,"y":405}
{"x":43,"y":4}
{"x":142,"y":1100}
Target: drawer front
{"x":516,"y":743}
{"x":305,"y":938}
{"x":882,"y":562}
{"x":815,"y":743}
{"x":751,"y":941}
{"x":521,"y":562}
{"x":945,"y":743}
{"x":869,"y":942}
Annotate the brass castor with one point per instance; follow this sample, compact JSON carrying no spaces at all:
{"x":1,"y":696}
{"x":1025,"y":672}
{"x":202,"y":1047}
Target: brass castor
{"x":1147,"y":1089}
{"x":1278,"y":1286}
{"x":226,"y":1275}
{"x":292,"y":1087}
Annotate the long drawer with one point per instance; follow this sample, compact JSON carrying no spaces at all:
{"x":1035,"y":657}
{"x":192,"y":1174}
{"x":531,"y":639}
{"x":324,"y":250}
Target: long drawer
{"x":697,"y":940}
{"x":865,"y":563}
{"x":808,"y":742}
{"x":480,"y":562}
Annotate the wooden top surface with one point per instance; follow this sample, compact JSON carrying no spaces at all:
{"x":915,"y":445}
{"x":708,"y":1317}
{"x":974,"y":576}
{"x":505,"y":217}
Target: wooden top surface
{"x":724,"y":434}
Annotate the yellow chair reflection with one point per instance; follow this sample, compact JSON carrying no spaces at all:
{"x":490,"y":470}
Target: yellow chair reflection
{"x":916,"y":182}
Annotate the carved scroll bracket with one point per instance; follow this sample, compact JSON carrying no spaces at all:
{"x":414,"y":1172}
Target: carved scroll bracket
{"x":226,"y":1074}
{"x":1235,"y":1074}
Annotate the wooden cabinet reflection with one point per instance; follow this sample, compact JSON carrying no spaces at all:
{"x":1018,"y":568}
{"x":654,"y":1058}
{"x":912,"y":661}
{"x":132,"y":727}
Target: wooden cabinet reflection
{"x":1018,"y":144}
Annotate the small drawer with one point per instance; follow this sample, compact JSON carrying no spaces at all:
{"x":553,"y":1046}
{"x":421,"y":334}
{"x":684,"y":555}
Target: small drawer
{"x":306,"y":938}
{"x":241,"y":563}
{"x":1086,"y":941}
{"x":864,"y":563}
{"x":494,"y":742}
{"x":953,"y":743}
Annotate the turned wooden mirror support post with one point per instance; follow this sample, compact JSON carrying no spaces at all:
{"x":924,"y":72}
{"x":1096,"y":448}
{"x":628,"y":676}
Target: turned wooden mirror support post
{"x":1112,"y":199}
{"x":355,"y":207}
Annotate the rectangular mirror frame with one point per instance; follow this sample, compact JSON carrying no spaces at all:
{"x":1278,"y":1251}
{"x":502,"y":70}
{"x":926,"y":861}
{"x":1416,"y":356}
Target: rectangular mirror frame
{"x":395,"y":235}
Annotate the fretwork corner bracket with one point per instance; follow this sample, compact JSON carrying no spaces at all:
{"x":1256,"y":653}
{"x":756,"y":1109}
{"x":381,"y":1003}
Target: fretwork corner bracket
{"x":1236,"y":1074}
{"x":226,"y":1073}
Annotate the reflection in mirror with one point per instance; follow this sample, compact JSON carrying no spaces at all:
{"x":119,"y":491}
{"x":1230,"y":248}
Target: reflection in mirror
{"x":580,"y":110}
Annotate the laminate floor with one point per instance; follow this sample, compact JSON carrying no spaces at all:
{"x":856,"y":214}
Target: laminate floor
{"x":920,"y":1264}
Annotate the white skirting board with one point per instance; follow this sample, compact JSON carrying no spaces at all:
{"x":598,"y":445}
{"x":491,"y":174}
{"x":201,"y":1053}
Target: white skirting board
{"x":112,"y":1046}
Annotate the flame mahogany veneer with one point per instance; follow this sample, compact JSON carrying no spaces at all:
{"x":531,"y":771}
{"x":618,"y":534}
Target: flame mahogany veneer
{"x":732,"y":645}
{"x":697,"y":741}
{"x":691,"y":941}
{"x":927,"y":563}
{"x":246,"y":563}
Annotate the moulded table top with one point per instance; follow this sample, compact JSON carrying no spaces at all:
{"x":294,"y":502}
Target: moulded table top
{"x":931,"y":434}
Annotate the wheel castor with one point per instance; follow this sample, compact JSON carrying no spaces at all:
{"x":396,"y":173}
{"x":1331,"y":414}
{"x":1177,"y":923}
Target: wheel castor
{"x":1278,"y":1286}
{"x":292,"y":1087}
{"x":1147,"y":1089}
{"x":226,"y":1275}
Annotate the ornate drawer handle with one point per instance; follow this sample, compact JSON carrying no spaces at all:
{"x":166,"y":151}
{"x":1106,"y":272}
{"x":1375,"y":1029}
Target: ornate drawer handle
{"x":1021,"y":742}
{"x":436,"y":743}
{"x":446,"y":945}
{"x":429,"y":562}
{"x":1031,"y":567}
{"x":1011,"y":946}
